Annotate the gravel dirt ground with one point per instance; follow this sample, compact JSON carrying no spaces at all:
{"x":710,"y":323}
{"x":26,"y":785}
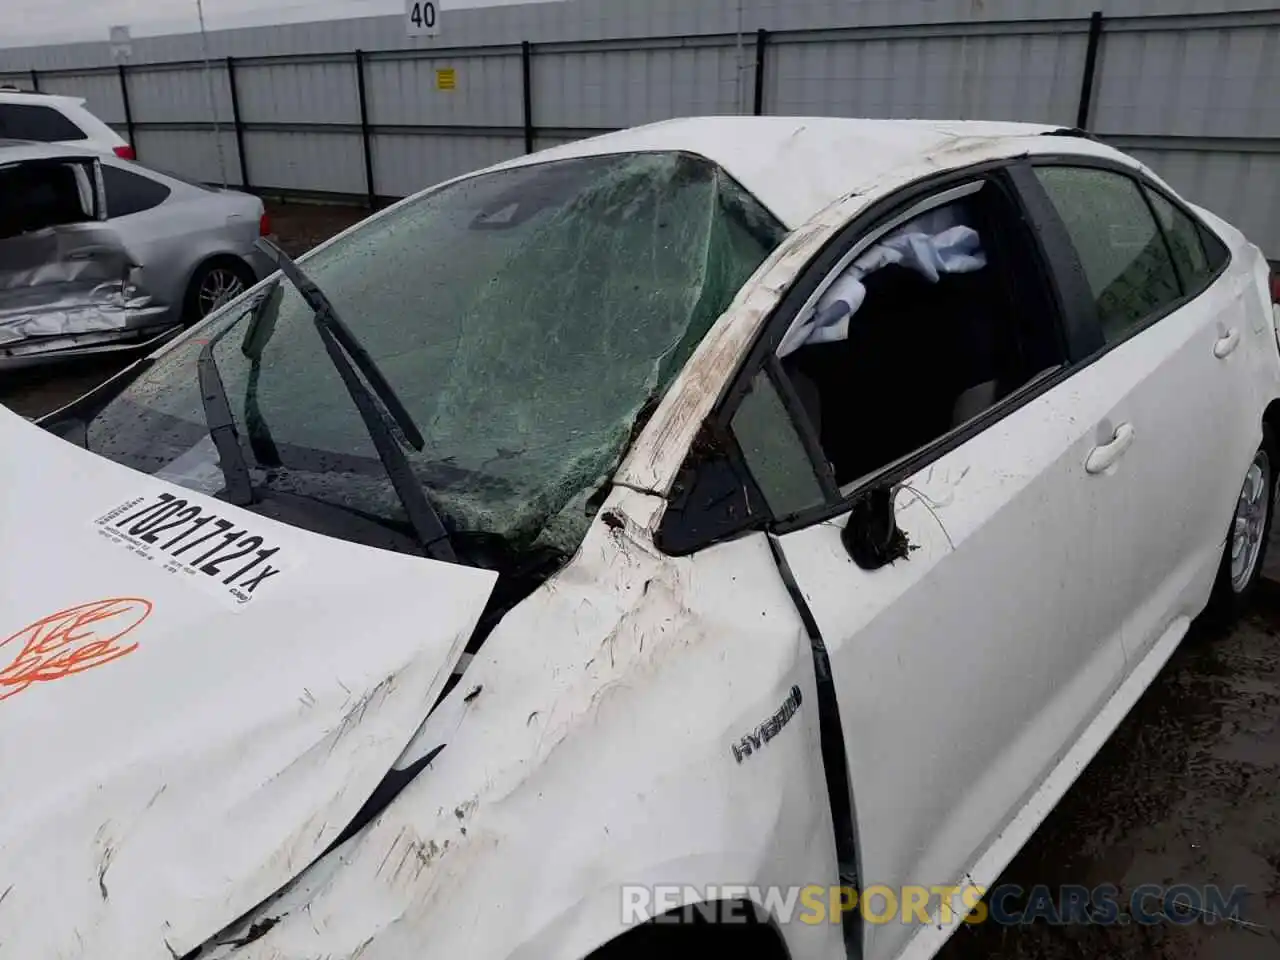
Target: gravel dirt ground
{"x":1187,"y":791}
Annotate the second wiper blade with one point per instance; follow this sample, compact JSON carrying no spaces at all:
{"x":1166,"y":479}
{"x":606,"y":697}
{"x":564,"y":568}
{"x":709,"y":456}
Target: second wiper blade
{"x":222,"y":429}
{"x":351,"y":360}
{"x":328,"y":317}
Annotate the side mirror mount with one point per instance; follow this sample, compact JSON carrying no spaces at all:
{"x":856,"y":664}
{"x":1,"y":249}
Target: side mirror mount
{"x":872,"y":536}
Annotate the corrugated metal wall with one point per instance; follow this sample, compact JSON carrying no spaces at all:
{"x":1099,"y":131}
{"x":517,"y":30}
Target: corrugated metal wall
{"x":1193,"y":90}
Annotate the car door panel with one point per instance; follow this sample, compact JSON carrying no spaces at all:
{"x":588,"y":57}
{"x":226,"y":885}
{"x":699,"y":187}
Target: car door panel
{"x":1185,"y":467}
{"x":1173,"y":373}
{"x":965,"y":671}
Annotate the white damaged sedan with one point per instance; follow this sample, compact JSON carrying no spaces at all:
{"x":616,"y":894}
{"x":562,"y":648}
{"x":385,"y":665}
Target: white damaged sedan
{"x":726,"y":507}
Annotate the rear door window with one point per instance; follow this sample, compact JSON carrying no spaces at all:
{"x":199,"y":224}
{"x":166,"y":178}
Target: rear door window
{"x":1126,"y":261}
{"x":23,"y":121}
{"x":1186,"y":243}
{"x":129,"y":193}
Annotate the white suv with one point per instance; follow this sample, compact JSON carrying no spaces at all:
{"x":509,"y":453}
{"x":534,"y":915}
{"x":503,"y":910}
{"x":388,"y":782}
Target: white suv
{"x":54,"y":119}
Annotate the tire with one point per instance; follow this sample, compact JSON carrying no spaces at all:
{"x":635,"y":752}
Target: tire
{"x":227,"y":276}
{"x":1243,"y":557}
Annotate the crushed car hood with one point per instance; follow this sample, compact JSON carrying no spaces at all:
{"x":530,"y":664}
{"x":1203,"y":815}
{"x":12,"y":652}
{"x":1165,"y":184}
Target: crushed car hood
{"x":183,"y":732}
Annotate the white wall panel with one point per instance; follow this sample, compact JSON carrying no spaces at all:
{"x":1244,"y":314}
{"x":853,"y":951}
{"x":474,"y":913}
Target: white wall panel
{"x":101,"y":92}
{"x":179,"y":95}
{"x":1020,"y":77}
{"x":305,"y":160}
{"x":1194,"y":86}
{"x":621,"y":88}
{"x":1205,"y":83}
{"x":305,"y":92}
{"x":488,"y":91}
{"x":190,"y":153}
{"x":406,"y":163}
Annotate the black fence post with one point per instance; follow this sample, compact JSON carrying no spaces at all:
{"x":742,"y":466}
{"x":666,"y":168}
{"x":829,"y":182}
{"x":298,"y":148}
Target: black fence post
{"x":1090,"y":70}
{"x":762,"y":42}
{"x":235,"y":118}
{"x":526,"y":67}
{"x":364,"y":130}
{"x":35,"y":81}
{"x":128,"y":110}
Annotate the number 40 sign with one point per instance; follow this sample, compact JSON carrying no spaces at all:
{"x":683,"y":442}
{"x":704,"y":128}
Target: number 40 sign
{"x":422,"y":17}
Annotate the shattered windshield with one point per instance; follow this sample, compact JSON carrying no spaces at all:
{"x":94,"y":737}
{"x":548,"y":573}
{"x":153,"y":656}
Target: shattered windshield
{"x":525,"y":317}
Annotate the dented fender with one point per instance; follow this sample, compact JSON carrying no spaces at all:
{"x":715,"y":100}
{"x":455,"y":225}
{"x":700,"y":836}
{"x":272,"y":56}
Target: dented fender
{"x":594,"y":742}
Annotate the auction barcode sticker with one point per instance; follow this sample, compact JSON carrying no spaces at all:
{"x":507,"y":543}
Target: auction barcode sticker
{"x":192,"y":542}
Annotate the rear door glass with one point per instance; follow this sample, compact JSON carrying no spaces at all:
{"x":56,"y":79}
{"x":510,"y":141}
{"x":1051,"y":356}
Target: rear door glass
{"x":1185,"y":242}
{"x":22,"y":121}
{"x":1122,"y":250}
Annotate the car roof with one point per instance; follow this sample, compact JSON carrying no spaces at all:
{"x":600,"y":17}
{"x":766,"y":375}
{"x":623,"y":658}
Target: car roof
{"x":48,"y":99}
{"x":11,"y":151}
{"x":797,"y":166}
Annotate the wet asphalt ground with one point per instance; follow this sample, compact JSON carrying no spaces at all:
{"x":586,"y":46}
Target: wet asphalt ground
{"x":1186,"y":792}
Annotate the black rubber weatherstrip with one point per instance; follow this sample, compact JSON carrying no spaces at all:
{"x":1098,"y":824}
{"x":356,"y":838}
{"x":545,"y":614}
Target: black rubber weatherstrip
{"x":835,"y":761}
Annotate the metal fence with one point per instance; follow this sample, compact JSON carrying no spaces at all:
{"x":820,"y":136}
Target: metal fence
{"x":1193,"y":94}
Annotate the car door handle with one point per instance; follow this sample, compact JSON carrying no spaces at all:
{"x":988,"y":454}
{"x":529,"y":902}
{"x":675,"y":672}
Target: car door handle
{"x":1103,"y":458}
{"x":1227,"y":344}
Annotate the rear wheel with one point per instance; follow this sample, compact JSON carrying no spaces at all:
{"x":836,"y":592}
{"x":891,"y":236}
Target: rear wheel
{"x":1246,"y":547}
{"x":215,"y":282}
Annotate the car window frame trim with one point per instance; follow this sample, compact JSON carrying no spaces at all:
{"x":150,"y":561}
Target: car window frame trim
{"x":914,"y":199}
{"x":950,"y":195}
{"x":1144,"y":182}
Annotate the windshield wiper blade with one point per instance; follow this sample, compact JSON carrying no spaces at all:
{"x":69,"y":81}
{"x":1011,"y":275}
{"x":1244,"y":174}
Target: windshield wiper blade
{"x":350,"y":360}
{"x":327,"y":317}
{"x":222,"y":429}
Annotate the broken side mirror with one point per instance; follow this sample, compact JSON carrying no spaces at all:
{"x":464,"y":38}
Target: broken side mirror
{"x":872,"y":536}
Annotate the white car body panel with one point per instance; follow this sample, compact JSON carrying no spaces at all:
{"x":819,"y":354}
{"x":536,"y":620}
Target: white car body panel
{"x":595,"y":713}
{"x":149,"y":799}
{"x":611,"y":697}
{"x":98,"y":135}
{"x":1031,"y":656}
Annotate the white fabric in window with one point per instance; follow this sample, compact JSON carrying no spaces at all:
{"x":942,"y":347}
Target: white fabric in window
{"x":931,"y":245}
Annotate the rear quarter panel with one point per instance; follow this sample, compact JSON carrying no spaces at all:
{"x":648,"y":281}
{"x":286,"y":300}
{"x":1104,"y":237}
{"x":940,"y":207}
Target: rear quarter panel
{"x":172,"y":240}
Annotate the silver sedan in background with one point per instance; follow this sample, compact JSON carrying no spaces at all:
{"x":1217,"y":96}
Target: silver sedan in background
{"x":103,"y":254}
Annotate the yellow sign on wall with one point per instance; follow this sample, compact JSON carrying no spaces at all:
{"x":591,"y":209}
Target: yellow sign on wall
{"x":447,"y":79}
